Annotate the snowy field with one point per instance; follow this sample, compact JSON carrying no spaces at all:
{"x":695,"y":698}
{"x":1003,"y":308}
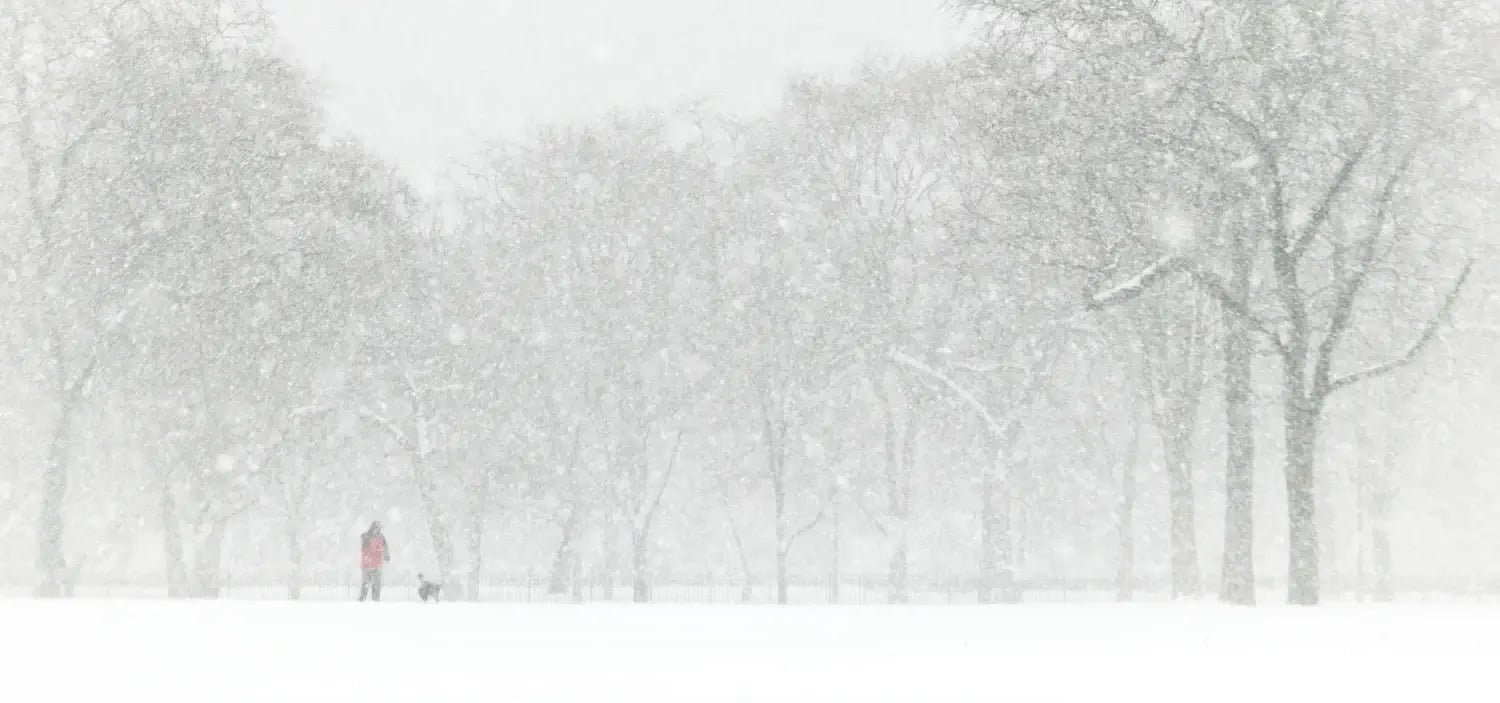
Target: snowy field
{"x":97,"y":650}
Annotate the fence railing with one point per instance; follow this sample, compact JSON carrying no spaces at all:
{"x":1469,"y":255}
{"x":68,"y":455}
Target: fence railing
{"x":516,"y":589}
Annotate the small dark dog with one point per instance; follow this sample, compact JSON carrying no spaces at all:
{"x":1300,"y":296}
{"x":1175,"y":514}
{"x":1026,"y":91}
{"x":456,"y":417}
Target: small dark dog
{"x":428,"y":590}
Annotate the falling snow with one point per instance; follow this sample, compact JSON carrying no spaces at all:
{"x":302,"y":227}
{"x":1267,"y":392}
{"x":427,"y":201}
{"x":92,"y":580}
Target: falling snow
{"x":952,"y":322}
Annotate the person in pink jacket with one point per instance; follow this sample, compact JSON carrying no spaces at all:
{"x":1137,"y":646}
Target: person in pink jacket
{"x":374,"y":553}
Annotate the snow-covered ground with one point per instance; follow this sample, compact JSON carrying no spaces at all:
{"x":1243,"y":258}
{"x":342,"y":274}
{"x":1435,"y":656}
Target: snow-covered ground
{"x":98,"y":650}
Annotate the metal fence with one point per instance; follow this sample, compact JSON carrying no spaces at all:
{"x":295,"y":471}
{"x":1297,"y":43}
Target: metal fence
{"x":521,"y":589}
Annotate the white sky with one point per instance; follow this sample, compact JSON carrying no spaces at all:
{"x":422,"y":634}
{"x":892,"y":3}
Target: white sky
{"x":421,"y":80}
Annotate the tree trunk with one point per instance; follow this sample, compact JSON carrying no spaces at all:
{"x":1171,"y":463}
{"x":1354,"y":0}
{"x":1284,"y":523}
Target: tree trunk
{"x":51,"y":561}
{"x":901,"y":504}
{"x":778,"y":493}
{"x":1125,"y":569}
{"x":988,"y":552}
{"x":1237,"y":578}
{"x":1380,"y":543}
{"x":294,"y":558}
{"x":640,"y":590}
{"x":476,"y":550}
{"x":898,"y":568}
{"x":1186,"y":580}
{"x":834,"y":558}
{"x":746,"y":585}
{"x":900,"y":460}
{"x":774,"y":425}
{"x":900,"y":541}
{"x":609,"y":575}
{"x":577,"y":576}
{"x":1332,"y":575}
{"x":1382,"y":498}
{"x":293,"y":534}
{"x":437,"y":526}
{"x":1301,"y":442}
{"x":177,"y":577}
{"x":562,"y":560}
{"x":997,"y":582}
{"x":208,"y":554}
{"x":1362,"y":531}
{"x":782,"y":594}
{"x":294,"y":482}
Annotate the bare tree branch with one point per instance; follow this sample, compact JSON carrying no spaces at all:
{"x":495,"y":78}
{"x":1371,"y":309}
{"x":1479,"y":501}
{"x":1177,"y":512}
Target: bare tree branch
{"x":235,"y":511}
{"x":1350,"y":286}
{"x":1137,"y":284}
{"x":799,"y":532}
{"x":1209,"y":282}
{"x":390,"y":427}
{"x":1411,"y":353}
{"x":875,"y":521}
{"x":1336,"y":188}
{"x":1220,"y":292}
{"x":661,"y":490}
{"x":996,"y":425}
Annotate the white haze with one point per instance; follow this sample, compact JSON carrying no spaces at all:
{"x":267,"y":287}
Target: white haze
{"x":425,"y":81}
{"x":724,"y":300}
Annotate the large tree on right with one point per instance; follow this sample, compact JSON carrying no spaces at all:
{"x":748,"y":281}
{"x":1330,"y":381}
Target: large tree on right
{"x":1307,"y":150}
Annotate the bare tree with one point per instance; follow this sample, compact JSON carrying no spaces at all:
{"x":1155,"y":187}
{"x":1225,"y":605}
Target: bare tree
{"x":1003,"y":422}
{"x":1174,"y":347}
{"x":57,"y":79}
{"x":646,"y":477}
{"x":1096,"y":420}
{"x":294,"y":479}
{"x":1317,"y":177}
{"x":1237,"y":578}
{"x":727,"y":501}
{"x":870,"y":153}
{"x":775,"y":359}
{"x":577,"y":498}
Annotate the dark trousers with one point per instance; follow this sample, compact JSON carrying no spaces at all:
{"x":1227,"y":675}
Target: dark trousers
{"x":369,"y":583}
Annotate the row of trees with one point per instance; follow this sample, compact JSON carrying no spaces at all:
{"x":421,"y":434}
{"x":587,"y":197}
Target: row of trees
{"x":966,"y":313}
{"x":183,"y":246}
{"x":1312,"y":145}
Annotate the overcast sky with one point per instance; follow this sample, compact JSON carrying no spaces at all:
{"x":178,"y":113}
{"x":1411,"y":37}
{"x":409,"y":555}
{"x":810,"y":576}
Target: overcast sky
{"x":421,"y":80}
